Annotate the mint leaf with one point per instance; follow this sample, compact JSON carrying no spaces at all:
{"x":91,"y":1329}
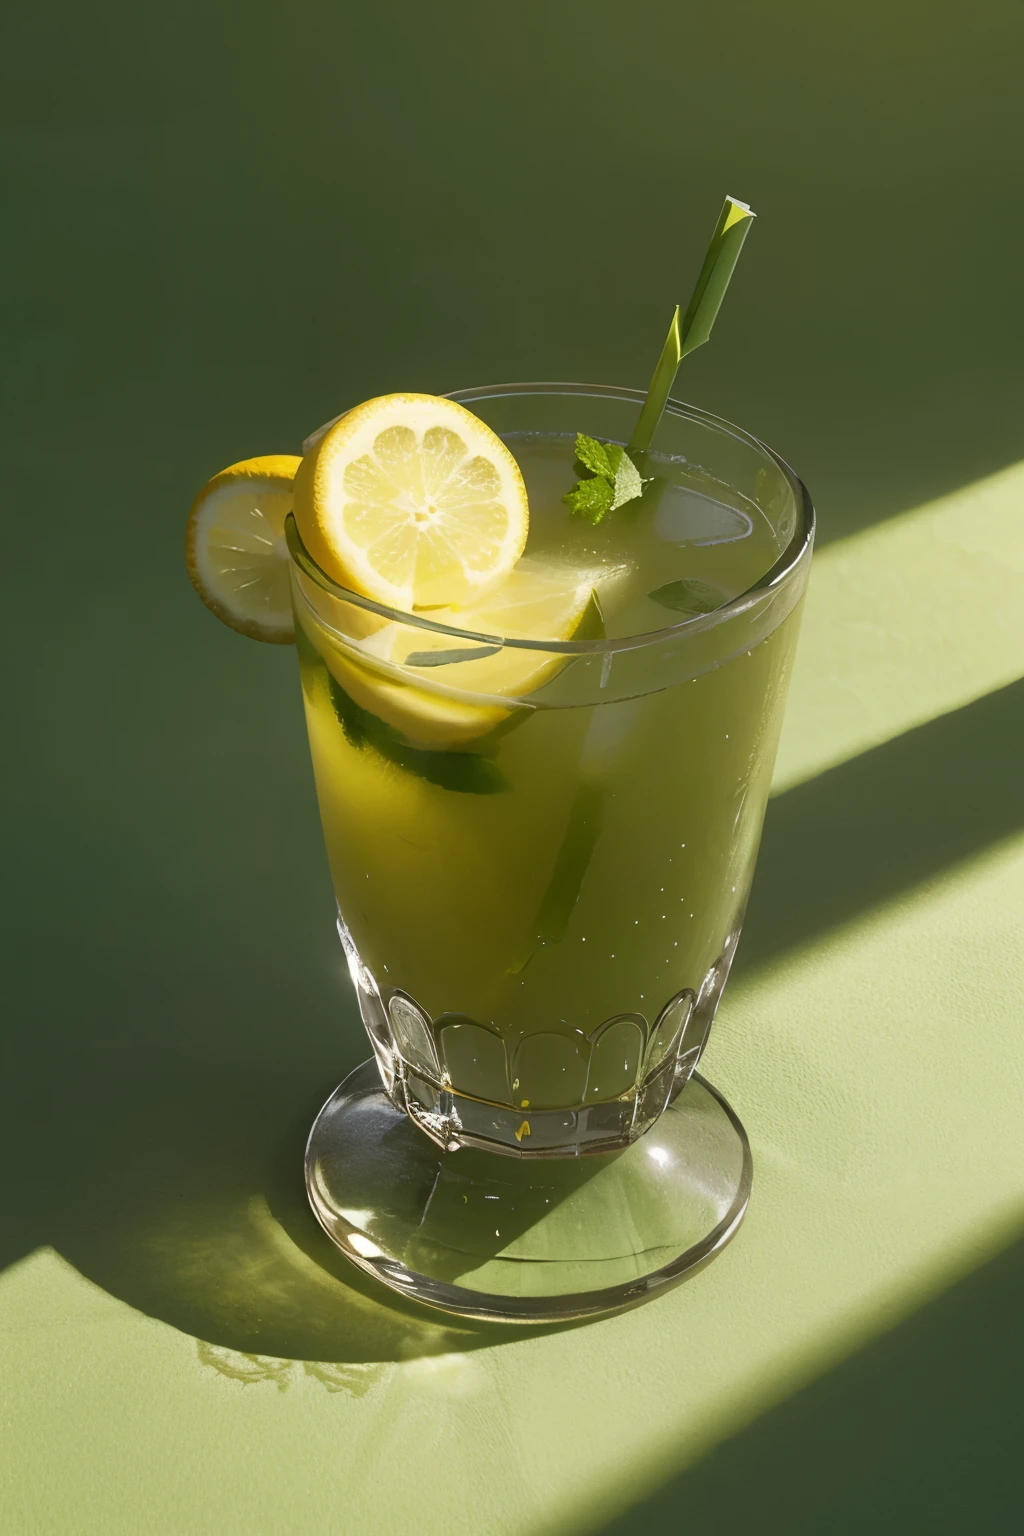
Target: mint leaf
{"x":465,"y":773}
{"x":448,"y":658}
{"x":688,"y":596}
{"x":628,"y":484}
{"x":615,"y":481}
{"x":594,"y":456}
{"x":591,"y":498}
{"x":571,"y":864}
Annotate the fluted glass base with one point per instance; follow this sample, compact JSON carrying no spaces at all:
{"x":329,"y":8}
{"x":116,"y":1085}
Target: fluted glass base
{"x":531,"y":1240}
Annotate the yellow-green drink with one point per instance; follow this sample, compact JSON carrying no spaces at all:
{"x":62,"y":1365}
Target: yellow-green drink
{"x":544,"y":633}
{"x":541,"y":891}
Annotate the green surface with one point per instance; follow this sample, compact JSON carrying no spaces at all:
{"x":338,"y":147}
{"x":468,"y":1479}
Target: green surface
{"x":224,"y":230}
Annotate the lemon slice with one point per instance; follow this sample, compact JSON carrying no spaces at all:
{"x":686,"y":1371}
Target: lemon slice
{"x":413,"y":501}
{"x":441,"y":692}
{"x":235,"y":548}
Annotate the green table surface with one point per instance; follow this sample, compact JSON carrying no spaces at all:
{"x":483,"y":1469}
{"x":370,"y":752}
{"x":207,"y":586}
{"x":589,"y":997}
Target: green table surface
{"x":228,"y":223}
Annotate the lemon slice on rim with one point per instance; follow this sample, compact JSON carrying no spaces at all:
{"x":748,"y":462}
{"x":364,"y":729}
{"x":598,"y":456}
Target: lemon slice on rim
{"x":412,"y":500}
{"x":235,"y":548}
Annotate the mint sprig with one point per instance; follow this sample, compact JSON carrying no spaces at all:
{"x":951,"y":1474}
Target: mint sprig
{"x":613,"y":480}
{"x":689,"y":596}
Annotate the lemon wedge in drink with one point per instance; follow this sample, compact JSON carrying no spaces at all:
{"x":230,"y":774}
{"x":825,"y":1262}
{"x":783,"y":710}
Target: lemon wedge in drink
{"x":235,"y":548}
{"x":442,"y":692}
{"x":413,"y":501}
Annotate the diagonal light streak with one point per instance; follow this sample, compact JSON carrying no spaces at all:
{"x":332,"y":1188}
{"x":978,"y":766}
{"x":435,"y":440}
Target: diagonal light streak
{"x":906,"y":621}
{"x":889,"y":820}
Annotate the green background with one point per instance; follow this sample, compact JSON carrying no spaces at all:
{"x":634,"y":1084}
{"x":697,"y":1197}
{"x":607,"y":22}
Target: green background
{"x":225,"y":224}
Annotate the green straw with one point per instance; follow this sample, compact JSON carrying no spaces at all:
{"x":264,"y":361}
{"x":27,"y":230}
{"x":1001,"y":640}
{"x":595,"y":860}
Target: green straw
{"x":715,"y":274}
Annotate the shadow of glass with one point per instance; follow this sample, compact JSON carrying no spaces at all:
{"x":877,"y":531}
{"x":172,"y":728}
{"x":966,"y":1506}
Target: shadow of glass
{"x":176,"y":1184}
{"x":886,"y":821}
{"x":917,"y":1431}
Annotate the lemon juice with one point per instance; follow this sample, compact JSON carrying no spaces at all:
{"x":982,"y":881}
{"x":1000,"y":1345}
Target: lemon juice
{"x":541,"y":856}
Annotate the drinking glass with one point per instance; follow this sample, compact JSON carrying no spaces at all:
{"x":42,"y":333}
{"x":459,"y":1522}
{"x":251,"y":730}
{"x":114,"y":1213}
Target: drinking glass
{"x":540,"y":897}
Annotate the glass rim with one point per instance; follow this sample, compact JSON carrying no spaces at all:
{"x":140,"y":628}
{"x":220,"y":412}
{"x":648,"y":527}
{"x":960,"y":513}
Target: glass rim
{"x":773,"y":579}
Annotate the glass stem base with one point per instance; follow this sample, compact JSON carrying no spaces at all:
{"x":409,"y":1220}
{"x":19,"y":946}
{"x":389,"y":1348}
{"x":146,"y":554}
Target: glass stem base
{"x":531,"y":1241}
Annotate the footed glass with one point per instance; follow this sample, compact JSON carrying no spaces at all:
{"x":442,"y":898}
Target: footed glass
{"x":540,"y":892}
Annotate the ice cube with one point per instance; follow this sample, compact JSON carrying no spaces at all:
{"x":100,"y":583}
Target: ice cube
{"x":687,"y":517}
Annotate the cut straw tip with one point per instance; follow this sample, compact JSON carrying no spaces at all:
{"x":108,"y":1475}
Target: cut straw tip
{"x":735,"y":213}
{"x":719,"y":264}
